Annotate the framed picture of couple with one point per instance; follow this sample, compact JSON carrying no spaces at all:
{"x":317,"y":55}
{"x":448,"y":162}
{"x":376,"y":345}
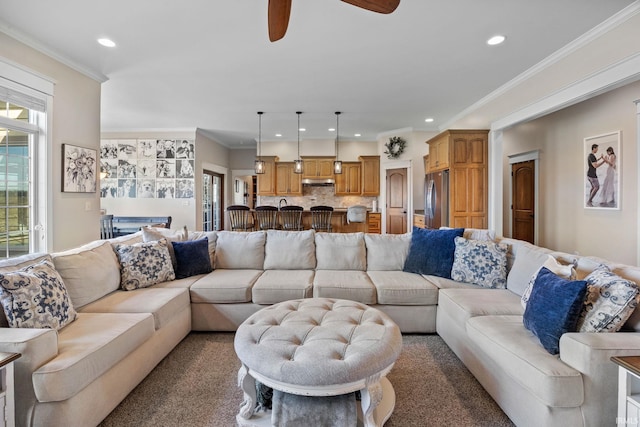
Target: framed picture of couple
{"x":602,"y":161}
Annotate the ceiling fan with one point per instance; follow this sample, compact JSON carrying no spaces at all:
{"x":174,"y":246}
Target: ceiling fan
{"x":279,"y":11}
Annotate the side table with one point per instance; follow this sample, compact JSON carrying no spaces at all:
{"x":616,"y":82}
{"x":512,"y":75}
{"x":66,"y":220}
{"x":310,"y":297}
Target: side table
{"x":7,"y":396}
{"x":628,"y":390}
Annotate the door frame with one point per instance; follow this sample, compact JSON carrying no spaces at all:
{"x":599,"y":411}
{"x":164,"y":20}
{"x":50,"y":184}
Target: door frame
{"x":519,"y":158}
{"x":397,"y":164}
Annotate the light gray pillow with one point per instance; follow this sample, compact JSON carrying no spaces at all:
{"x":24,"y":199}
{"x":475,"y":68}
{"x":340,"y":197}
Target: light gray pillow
{"x":387,"y":252}
{"x":240,"y":250}
{"x":290,"y":250}
{"x":154,"y":234}
{"x":89,"y":272}
{"x":528,"y":260}
{"x":341,"y":251}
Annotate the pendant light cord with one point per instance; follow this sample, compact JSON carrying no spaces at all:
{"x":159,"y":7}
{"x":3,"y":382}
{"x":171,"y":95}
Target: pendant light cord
{"x":259,"y":135}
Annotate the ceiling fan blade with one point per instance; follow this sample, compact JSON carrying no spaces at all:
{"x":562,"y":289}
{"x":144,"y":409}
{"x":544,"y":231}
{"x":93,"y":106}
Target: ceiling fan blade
{"x":380,"y":6}
{"x":279,"y":11}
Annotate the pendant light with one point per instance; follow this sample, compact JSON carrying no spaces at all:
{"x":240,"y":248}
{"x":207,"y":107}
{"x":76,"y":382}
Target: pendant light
{"x":298,"y":166}
{"x":259,"y":163}
{"x":337,"y":164}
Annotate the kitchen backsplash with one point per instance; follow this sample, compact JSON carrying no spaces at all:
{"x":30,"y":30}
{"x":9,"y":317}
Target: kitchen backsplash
{"x":318,"y":195}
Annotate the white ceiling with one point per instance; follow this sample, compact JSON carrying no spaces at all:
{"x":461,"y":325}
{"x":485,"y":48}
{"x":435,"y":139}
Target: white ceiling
{"x":209,"y":64}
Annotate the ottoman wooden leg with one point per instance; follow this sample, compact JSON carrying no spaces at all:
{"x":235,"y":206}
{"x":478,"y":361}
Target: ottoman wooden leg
{"x":248,"y":385}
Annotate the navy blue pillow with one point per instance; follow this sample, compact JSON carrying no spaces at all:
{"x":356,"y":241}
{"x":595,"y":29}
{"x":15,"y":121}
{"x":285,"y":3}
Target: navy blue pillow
{"x":192,"y":258}
{"x":432,"y":251}
{"x":554,"y":307}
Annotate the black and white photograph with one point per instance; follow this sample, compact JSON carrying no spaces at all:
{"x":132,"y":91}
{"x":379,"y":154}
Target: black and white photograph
{"x":165,"y":188}
{"x":184,"y":149}
{"x":127,"y":168}
{"x":184,"y":189}
{"x":146,"y":169}
{"x":165,"y":168}
{"x":184,"y":168}
{"x":165,"y":149}
{"x":108,"y":149}
{"x":109,"y":168}
{"x":127,"y":149}
{"x":108,"y":188}
{"x":146,"y":189}
{"x":127,"y":188}
{"x":147,"y":149}
{"x":79,"y":169}
{"x":602,"y":171}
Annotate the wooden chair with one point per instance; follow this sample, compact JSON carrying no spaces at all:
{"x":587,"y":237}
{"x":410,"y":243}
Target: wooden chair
{"x":106,"y":226}
{"x":266,"y":217}
{"x":321,"y":218}
{"x":291,"y":218}
{"x":240,"y":218}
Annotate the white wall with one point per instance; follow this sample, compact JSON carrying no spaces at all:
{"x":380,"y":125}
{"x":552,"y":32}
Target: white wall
{"x":564,"y":224}
{"x":76,"y":120}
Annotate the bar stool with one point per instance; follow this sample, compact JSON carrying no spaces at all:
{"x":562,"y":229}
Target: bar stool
{"x":266,"y":217}
{"x":291,"y":217}
{"x":321,"y":218}
{"x":240,"y":218}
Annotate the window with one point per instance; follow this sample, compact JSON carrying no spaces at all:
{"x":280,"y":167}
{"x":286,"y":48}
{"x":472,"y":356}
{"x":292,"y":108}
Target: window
{"x":23,"y":163}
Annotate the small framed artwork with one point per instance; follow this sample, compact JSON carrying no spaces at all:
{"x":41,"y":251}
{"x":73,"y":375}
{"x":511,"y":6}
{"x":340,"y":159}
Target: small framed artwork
{"x":602,"y":171}
{"x":79,"y":166}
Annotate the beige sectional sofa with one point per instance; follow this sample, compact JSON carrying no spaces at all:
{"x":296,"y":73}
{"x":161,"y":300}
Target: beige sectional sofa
{"x":77,"y":375}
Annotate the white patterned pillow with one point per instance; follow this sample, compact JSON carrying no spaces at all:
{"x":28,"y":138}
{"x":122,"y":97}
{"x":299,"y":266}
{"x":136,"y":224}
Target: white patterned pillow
{"x":35,"y":297}
{"x":565,"y":271}
{"x":609,"y":302}
{"x":144,"y":264}
{"x":480,"y":262}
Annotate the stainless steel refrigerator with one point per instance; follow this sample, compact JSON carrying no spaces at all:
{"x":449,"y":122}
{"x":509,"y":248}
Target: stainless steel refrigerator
{"x":436,"y":199}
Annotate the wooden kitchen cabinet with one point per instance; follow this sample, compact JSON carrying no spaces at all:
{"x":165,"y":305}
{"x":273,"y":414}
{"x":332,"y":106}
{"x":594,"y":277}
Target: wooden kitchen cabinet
{"x":374,"y":222}
{"x":418,"y":220}
{"x":438,"y":153}
{"x":317,"y":167}
{"x":467,"y":160}
{"x":370,"y":175}
{"x":288,"y":183}
{"x":267,"y":180}
{"x":348,"y":183}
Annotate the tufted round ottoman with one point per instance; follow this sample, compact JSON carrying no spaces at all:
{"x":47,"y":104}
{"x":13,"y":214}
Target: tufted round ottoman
{"x":319,"y":347}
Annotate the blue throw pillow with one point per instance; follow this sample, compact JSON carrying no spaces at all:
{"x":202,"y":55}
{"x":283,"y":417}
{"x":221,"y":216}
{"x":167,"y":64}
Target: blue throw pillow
{"x":192,"y":257}
{"x":553,"y":308}
{"x":432,"y":251}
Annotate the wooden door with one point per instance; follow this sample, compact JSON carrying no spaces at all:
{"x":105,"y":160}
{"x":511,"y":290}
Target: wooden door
{"x":397,"y":201}
{"x":523,"y":200}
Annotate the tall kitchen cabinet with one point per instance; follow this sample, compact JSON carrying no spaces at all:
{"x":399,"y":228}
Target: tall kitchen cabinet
{"x":370,"y":175}
{"x":465,"y":153}
{"x":267,"y":180}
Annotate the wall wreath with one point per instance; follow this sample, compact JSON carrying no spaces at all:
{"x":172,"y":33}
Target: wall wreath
{"x":395,"y":147}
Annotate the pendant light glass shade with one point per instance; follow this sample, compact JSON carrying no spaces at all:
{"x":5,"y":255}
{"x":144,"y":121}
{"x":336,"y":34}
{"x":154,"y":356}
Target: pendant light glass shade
{"x":337,"y":164}
{"x":258,"y":166}
{"x":298,"y":165}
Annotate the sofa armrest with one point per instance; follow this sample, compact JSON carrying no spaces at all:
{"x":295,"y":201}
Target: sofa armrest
{"x":590,"y":353}
{"x":37,"y":347}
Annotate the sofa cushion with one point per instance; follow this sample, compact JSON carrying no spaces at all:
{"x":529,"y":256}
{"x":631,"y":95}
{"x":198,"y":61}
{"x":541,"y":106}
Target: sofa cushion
{"x":528,"y":260}
{"x":609,"y":302}
{"x":89,"y":272}
{"x":144,"y":264}
{"x":224,"y":286}
{"x":341,"y":251}
{"x":275,"y":286}
{"x":386,"y":251}
{"x":505,"y":341}
{"x":432,"y":251}
{"x":192,"y":258}
{"x":402,"y":288}
{"x":240,"y":250}
{"x":87,"y":348}
{"x":463,"y":304}
{"x":443,"y":283}
{"x":554,"y":308}
{"x":36,"y":297}
{"x":480,"y":262}
{"x":565,"y":271}
{"x":153,"y":234}
{"x":290,"y":250}
{"x":163,"y":304}
{"x":212,"y":238}
{"x":344,"y":284}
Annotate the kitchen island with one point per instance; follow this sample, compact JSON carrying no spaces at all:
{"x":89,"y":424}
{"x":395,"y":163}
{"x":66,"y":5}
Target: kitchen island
{"x":339,"y":222}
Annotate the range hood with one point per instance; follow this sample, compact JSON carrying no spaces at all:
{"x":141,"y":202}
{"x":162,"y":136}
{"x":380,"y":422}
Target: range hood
{"x":319,"y":182}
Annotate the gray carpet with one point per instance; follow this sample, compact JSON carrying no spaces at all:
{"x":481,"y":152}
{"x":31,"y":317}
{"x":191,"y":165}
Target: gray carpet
{"x":195,"y":385}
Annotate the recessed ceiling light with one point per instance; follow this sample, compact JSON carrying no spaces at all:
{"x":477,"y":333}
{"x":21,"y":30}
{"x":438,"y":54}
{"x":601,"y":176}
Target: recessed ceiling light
{"x":302,"y":130}
{"x":357,"y":134}
{"x":429,"y":120}
{"x":332,"y":129}
{"x":496,"y":40}
{"x":278,"y":135}
{"x":107,"y":42}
